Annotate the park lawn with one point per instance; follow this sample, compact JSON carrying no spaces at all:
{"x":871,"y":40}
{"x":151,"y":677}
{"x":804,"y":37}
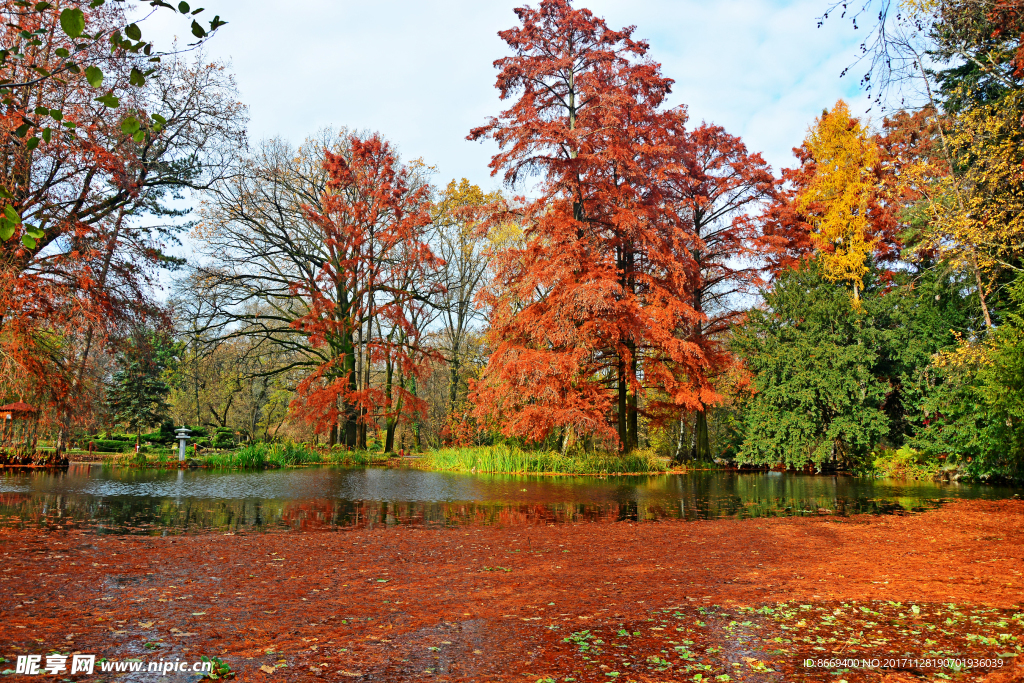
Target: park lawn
{"x":749,"y":600}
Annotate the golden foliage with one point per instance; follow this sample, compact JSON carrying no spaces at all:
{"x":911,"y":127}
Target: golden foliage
{"x":968,"y":354}
{"x":978,"y":211}
{"x":836,"y":200}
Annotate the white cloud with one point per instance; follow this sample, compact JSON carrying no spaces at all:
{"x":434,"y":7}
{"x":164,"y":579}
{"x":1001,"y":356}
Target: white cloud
{"x":420,"y":72}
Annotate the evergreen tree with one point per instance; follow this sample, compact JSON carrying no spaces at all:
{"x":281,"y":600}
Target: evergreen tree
{"x":815,"y":359}
{"x":138,"y":395}
{"x":976,"y":407}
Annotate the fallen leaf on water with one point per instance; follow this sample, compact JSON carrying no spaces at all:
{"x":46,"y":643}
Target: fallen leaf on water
{"x":267,"y":669}
{"x":145,"y":624}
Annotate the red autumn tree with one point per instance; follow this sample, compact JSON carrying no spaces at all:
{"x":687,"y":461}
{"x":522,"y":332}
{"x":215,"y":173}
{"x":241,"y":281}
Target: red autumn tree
{"x":364,"y":297}
{"x":77,"y":172}
{"x":716,"y":185}
{"x":589,"y":311}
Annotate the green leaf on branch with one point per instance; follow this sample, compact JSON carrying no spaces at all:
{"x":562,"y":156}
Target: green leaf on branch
{"x":32,"y":143}
{"x":12,"y":215}
{"x":47,"y":134}
{"x":109,"y":100}
{"x":43,"y":6}
{"x":130,"y":125}
{"x":133,"y":31}
{"x":73,"y":22}
{"x":22,"y":130}
{"x":28,"y":242}
{"x":6,"y":229}
{"x":136,"y":78}
{"x":216,"y":23}
{"x":34,"y":232}
{"x":197,"y":30}
{"x":94,"y":75}
{"x":183,"y":7}
{"x":56,"y":114}
{"x":62,"y":53}
{"x":139,"y":136}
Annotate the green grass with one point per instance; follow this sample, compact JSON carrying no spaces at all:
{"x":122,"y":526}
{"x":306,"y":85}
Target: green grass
{"x":264,"y":456}
{"x":503,"y":459}
{"x":507,"y":459}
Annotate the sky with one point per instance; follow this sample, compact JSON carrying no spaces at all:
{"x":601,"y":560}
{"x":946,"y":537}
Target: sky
{"x":421,"y":72}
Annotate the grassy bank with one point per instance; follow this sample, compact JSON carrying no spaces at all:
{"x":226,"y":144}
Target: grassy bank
{"x":263,"y":456}
{"x":506,"y":459}
{"x":258,"y":456}
{"x":497,"y":459}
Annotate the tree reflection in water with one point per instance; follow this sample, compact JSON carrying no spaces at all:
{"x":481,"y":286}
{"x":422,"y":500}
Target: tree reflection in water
{"x":155,"y":501}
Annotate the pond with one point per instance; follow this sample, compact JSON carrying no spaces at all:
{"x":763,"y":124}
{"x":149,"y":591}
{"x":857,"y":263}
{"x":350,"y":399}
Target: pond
{"x":119,"y":500}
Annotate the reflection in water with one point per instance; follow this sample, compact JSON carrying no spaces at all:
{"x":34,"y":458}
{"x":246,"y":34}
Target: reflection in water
{"x":151,"y":501}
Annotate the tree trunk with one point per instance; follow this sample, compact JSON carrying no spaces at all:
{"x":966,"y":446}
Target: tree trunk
{"x":701,"y":447}
{"x":623,"y":406}
{"x":453,"y":381}
{"x":633,"y":430}
{"x":348,"y":348}
{"x":681,"y":439}
{"x":391,"y":420}
{"x":416,"y":424}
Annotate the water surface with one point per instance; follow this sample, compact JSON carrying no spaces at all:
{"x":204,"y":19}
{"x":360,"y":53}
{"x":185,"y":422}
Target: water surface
{"x":116,"y":500}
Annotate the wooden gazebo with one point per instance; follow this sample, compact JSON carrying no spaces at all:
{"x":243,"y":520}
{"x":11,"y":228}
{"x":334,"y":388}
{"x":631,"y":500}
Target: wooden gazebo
{"x":11,"y":413}
{"x":15,"y":411}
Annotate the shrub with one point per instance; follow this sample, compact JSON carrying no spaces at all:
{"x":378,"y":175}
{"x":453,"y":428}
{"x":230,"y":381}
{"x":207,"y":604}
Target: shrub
{"x":109,"y":445}
{"x":906,"y":463}
{"x":262,"y":455}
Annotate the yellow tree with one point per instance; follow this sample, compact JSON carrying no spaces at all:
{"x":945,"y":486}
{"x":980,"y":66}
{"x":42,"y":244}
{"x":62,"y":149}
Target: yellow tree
{"x":985,"y":227}
{"x":836,"y":199}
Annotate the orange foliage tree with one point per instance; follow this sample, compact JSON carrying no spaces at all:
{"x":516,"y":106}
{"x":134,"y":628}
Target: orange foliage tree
{"x":716,"y":185}
{"x":82,"y":159}
{"x":366,"y":291}
{"x":595,"y":306}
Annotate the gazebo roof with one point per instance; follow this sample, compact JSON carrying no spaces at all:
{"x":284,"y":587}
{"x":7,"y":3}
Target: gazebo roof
{"x":18,"y":407}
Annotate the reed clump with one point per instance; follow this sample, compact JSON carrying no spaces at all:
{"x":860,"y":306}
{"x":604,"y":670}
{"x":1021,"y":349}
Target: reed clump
{"x":260,"y":456}
{"x":509,"y":459}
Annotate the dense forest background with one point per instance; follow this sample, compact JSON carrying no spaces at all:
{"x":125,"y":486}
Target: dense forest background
{"x":641,"y":282}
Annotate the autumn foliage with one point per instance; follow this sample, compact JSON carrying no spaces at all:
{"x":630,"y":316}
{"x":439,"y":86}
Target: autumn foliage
{"x":596,"y":310}
{"x":372,"y":224}
{"x":78,"y":169}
